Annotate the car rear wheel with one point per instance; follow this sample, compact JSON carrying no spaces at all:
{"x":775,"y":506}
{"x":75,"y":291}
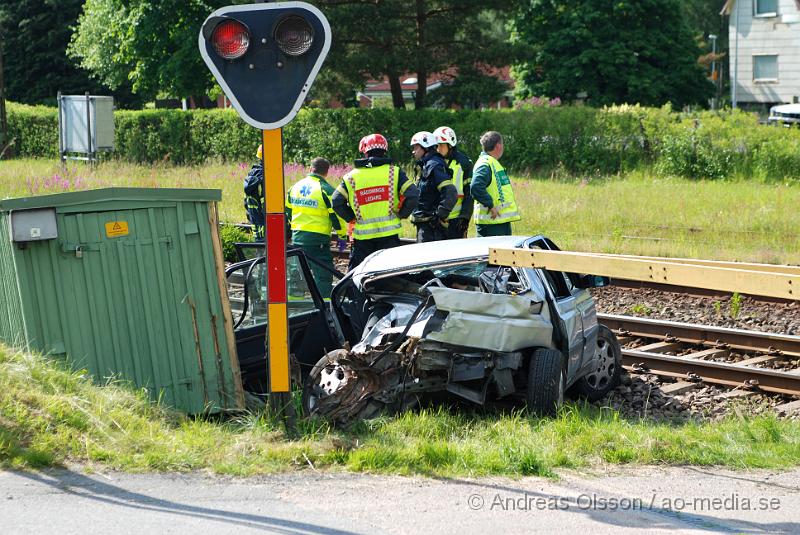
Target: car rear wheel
{"x":546,"y":382}
{"x":606,"y":368}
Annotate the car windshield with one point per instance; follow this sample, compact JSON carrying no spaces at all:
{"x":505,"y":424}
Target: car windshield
{"x":466,"y":270}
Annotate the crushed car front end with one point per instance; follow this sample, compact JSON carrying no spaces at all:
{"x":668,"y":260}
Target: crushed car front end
{"x":437,"y":317}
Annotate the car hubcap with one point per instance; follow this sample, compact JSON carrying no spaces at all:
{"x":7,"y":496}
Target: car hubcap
{"x":331,"y":379}
{"x":605,"y":365}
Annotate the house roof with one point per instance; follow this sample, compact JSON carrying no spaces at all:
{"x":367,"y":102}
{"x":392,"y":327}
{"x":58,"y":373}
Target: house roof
{"x":409,"y":81}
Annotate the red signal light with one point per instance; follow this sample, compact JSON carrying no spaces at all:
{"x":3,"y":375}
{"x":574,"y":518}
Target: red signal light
{"x":231,"y":39}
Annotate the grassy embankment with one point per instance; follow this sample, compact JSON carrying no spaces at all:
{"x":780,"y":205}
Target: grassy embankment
{"x":51,"y":416}
{"x":634,"y":214}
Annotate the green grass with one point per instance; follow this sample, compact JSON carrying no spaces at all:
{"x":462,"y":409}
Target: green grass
{"x":51,"y":416}
{"x":639,"y":213}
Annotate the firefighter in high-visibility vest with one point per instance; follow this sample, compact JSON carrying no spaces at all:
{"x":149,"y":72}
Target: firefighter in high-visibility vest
{"x":461,"y":167}
{"x":254,"y":197}
{"x":495,"y":206}
{"x":375,"y":195}
{"x":437,"y":195}
{"x":309,"y":211}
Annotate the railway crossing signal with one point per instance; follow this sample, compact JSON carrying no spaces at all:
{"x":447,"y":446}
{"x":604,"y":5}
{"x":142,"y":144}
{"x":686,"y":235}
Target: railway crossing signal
{"x":265,"y":57}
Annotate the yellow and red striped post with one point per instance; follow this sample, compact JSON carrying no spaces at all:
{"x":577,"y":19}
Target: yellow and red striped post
{"x":275,"y":242}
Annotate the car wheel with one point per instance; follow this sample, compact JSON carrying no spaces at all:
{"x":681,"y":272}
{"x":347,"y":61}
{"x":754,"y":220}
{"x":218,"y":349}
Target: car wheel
{"x":546,"y":382}
{"x":325,"y":378}
{"x":606,"y":368}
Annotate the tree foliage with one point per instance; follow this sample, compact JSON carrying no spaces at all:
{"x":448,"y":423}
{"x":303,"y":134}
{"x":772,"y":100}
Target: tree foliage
{"x":35,"y":34}
{"x":394,"y":38}
{"x":470,"y":88}
{"x":638,"y":51}
{"x":152,"y":44}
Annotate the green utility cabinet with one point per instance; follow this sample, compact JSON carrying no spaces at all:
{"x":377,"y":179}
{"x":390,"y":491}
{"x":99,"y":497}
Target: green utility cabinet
{"x":127,"y":283}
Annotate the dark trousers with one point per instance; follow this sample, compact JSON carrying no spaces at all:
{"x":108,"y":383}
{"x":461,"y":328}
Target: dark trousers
{"x":320,"y":257}
{"x":499,"y":229}
{"x":431,"y":231}
{"x":457,"y":228}
{"x":363,"y":248}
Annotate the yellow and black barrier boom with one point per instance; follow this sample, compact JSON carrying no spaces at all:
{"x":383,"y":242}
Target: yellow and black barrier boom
{"x":753,"y":279}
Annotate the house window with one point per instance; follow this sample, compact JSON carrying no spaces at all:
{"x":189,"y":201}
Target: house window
{"x":766,"y":8}
{"x":765,"y":68}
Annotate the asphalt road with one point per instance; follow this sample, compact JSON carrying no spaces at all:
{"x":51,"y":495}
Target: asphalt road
{"x":668,"y":500}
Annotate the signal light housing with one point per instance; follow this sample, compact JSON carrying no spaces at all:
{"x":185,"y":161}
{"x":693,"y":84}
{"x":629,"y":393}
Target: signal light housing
{"x":265,"y":57}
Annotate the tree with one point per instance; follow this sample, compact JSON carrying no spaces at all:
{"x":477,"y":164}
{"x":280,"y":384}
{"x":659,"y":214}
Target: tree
{"x":622,"y":51}
{"x":36,"y":34}
{"x":392,"y":38}
{"x":151,"y":44}
{"x":469,"y":88}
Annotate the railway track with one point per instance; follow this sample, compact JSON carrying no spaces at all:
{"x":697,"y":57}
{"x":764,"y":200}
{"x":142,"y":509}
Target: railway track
{"x":690,"y":353}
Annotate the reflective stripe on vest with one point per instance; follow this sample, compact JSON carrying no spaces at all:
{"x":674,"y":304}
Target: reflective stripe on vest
{"x":309,"y":211}
{"x":501,"y":193}
{"x":374,"y":197}
{"x":458,"y":182}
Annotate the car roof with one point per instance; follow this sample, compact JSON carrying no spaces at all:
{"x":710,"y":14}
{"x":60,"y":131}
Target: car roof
{"x":787,"y":108}
{"x":431,"y":253}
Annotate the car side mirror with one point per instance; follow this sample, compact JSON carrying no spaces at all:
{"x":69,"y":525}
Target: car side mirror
{"x":592,"y":281}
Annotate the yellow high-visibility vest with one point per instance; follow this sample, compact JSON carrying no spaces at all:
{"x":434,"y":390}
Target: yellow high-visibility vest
{"x":501,"y":193}
{"x":310,"y":212}
{"x":374,"y":195}
{"x":458,"y":182}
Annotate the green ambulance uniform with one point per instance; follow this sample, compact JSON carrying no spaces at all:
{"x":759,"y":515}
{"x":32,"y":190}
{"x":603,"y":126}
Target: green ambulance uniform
{"x":491,"y":187}
{"x":308,"y":208}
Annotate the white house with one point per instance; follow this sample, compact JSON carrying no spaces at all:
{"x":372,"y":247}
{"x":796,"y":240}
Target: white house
{"x":764,"y":41}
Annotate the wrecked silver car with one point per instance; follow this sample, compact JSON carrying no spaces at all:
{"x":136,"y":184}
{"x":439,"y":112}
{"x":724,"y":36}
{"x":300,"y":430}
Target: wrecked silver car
{"x":437,"y":317}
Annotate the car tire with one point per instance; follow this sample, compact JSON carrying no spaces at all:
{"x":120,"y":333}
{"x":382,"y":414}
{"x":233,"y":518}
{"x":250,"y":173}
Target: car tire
{"x":604,"y":375}
{"x":546,"y":382}
{"x":312,"y":388}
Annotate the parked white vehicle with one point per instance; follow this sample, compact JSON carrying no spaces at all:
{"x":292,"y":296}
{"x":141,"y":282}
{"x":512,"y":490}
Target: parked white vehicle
{"x":784,"y":114}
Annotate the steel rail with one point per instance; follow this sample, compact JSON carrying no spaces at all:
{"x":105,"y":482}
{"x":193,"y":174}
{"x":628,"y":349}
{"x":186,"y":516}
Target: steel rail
{"x":721,"y":373}
{"x":776,"y":344}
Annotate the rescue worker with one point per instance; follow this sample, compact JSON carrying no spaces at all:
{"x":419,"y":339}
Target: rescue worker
{"x":437,"y":195}
{"x":254,"y":197}
{"x":495,"y":206}
{"x":461,"y":169}
{"x":375,"y":195}
{"x":311,"y":216}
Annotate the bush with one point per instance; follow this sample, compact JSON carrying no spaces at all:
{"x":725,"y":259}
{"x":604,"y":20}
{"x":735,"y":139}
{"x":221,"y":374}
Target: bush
{"x":34,"y":130}
{"x":575,"y":139}
{"x":230,"y":235}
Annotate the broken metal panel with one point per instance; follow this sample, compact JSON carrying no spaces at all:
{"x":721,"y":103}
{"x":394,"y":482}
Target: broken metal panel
{"x":494,"y":322}
{"x":504,"y":380}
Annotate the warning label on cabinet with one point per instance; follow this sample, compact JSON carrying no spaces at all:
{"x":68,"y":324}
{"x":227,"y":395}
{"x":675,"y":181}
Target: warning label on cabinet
{"x":115,"y":229}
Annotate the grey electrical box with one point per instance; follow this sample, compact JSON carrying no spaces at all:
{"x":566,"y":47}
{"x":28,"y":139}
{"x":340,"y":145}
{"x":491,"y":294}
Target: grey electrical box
{"x":86,"y":125}
{"x":33,"y":225}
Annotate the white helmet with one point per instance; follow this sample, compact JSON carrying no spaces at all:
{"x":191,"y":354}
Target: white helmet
{"x":445,"y":134}
{"x":423,"y":139}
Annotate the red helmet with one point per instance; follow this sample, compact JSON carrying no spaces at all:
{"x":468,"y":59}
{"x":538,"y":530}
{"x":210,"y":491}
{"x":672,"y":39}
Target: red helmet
{"x":372,"y":141}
